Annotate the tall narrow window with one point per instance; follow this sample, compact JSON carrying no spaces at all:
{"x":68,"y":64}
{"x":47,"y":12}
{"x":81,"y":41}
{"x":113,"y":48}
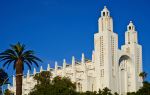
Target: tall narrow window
{"x":112,"y":49}
{"x":103,"y":13}
{"x":101,"y":52}
{"x":128,"y":38}
{"x":129,"y":27}
{"x":135,"y":35}
{"x":107,"y":13}
{"x":102,"y":72}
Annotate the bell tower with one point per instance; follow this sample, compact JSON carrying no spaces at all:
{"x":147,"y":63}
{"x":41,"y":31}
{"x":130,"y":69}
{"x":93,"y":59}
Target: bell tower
{"x":133,"y":48}
{"x":106,"y":45}
{"x":131,"y":34}
{"x":105,"y":21}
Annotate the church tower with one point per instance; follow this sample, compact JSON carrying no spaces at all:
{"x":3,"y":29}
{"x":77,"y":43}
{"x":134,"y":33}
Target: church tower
{"x":135,"y":50}
{"x":106,"y":45}
{"x":131,"y":34}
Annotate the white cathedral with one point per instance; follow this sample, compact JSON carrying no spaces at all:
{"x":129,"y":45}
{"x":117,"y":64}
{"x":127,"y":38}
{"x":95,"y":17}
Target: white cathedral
{"x":117,"y":69}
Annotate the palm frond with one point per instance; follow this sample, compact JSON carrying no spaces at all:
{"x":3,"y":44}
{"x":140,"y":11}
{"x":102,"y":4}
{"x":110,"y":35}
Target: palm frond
{"x":3,"y":59}
{"x":22,"y":49}
{"x":28,"y":64}
{"x":11,"y":52}
{"x":14,"y":66}
{"x":27,"y":53}
{"x":35,"y":58}
{"x":3,"y":56}
{"x":35,"y":62}
{"x":31,"y":61}
{"x":17,"y":52}
{"x":18,"y":48}
{"x":7,"y":62}
{"x":30,"y":58}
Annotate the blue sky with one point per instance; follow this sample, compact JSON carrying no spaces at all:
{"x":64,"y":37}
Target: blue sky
{"x":58,"y":29}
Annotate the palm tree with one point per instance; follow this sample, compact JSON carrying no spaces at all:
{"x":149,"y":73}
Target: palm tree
{"x":143,"y":75}
{"x":19,"y":56}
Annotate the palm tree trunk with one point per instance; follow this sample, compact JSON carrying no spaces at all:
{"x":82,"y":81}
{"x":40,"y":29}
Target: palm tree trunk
{"x":19,"y":72}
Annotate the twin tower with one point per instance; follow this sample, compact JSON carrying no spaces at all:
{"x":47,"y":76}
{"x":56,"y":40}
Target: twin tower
{"x":117,"y":69}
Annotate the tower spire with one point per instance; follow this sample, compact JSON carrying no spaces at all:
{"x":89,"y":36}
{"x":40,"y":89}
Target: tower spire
{"x":64,"y":63}
{"x":34,"y":71}
{"x":131,"y":34}
{"x":105,"y":12}
{"x":73,"y":61}
{"x":83,"y":59}
{"x":48,"y":67}
{"x":41,"y":69}
{"x":105,"y":21}
{"x":131,"y":26}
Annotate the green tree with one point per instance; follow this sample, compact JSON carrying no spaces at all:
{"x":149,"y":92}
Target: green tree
{"x":44,"y":85}
{"x":143,"y":75}
{"x":145,"y":90}
{"x":131,"y":93}
{"x":63,"y":86}
{"x":56,"y":86}
{"x":100,"y":92}
{"x":43,"y":77}
{"x":88,"y":93}
{"x":18,"y":56}
{"x":106,"y":91}
{"x":116,"y":93}
{"x":3,"y":79}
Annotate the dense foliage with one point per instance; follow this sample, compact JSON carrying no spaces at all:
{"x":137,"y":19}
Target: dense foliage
{"x":3,"y":78}
{"x":105,"y":91}
{"x":145,"y":90}
{"x":56,"y":86}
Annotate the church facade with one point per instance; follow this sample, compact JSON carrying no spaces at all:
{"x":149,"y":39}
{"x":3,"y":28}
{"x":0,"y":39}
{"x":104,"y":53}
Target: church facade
{"x":117,"y":69}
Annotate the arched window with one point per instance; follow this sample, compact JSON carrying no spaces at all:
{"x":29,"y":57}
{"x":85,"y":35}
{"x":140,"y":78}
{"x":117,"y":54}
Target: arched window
{"x":103,"y":13}
{"x":129,"y":27}
{"x":107,"y":13}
